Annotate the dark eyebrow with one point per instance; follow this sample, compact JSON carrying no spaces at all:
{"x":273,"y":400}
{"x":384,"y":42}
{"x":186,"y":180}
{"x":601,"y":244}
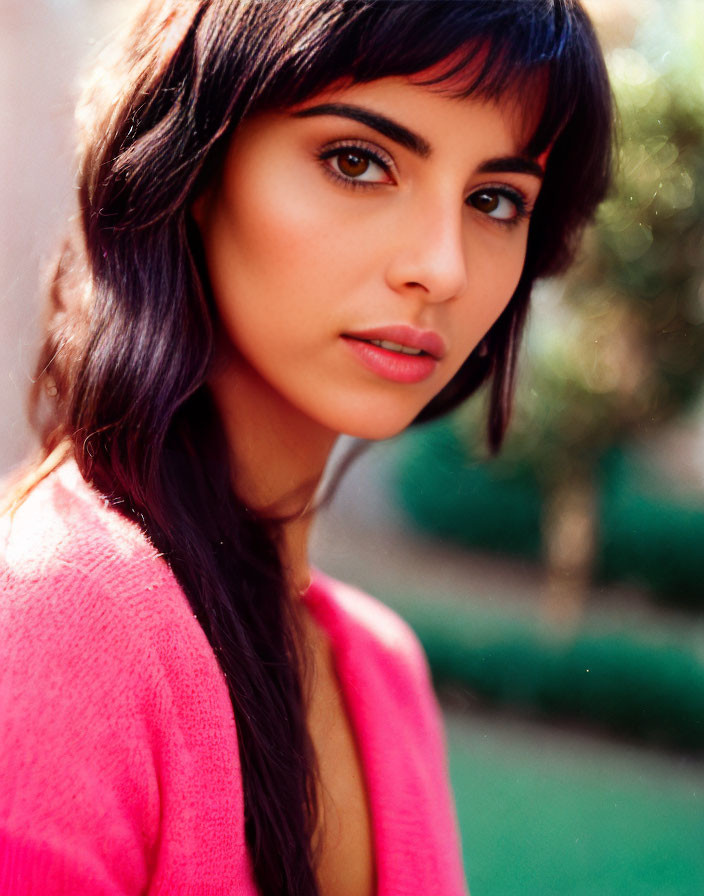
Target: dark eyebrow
{"x":512,"y":165}
{"x":391,"y":129}
{"x":417,"y":144}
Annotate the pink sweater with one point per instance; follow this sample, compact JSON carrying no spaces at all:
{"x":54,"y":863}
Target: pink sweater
{"x":119,"y":769}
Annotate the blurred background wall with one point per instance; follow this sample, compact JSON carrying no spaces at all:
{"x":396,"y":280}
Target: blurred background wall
{"x":43,"y":44}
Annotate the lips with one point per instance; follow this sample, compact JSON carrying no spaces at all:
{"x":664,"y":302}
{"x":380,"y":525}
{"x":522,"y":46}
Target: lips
{"x":400,"y":337}
{"x":400,"y":353}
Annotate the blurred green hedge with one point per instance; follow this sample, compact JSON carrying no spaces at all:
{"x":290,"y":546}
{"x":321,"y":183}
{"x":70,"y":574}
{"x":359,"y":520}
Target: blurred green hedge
{"x":645,"y":535}
{"x":644,"y":687}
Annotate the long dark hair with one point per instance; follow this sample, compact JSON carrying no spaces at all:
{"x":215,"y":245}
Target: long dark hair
{"x":122,"y":377}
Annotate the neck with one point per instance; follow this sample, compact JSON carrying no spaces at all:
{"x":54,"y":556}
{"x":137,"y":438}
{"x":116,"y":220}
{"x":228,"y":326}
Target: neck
{"x":279,"y":456}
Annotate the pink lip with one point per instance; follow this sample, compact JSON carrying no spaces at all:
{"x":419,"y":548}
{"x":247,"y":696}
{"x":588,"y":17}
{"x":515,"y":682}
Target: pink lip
{"x":393,"y":365}
{"x":425,"y":340}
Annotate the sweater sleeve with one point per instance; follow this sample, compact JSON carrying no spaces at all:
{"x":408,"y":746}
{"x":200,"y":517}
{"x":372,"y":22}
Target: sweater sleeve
{"x":79,"y":790}
{"x":119,"y":761}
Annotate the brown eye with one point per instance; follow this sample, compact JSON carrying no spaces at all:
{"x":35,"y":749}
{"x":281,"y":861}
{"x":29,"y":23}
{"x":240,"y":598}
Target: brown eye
{"x":356,"y":166}
{"x":502,"y":204}
{"x":352,"y":164}
{"x":485,"y":202}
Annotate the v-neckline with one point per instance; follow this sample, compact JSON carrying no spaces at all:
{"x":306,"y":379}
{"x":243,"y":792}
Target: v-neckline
{"x":328,"y":616}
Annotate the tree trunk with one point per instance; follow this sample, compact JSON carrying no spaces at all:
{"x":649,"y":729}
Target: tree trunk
{"x":569,"y":538}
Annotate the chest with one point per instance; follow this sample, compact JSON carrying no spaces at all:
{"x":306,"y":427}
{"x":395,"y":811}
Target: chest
{"x":344,"y":837}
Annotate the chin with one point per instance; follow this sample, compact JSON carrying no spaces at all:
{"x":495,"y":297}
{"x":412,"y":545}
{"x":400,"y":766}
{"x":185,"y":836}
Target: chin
{"x":375,"y":429}
{"x":371,"y":417}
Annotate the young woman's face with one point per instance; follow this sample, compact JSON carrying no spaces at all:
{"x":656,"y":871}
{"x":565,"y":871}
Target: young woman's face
{"x":360,"y":246}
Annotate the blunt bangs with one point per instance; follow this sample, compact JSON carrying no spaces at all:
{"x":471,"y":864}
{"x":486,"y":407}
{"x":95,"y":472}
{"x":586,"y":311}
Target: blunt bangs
{"x":544,"y":48}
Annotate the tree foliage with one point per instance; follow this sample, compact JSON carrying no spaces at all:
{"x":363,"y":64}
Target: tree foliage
{"x":617,"y":348}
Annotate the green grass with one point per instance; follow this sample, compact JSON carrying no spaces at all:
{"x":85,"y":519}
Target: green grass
{"x":545,"y":812}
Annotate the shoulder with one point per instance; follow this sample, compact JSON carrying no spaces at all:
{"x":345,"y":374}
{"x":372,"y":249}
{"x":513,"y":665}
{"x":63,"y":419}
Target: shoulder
{"x":90,"y":613}
{"x":372,"y":641}
{"x":101,"y":662}
{"x":64,"y":529}
{"x":68,"y":559}
{"x":86,"y":600}
{"x":366,"y":616}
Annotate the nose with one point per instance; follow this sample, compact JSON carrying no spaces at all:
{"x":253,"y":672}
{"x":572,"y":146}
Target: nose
{"x":430,"y":255}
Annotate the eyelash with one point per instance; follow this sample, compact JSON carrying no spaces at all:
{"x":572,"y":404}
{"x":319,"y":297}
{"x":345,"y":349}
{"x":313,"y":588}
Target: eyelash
{"x":516,"y":197}
{"x":364,"y":152}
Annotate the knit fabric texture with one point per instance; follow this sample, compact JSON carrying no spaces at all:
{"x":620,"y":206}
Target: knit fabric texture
{"x":119,"y":766}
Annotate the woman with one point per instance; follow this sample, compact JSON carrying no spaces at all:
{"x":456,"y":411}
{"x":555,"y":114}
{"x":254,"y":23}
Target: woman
{"x":297,"y":218}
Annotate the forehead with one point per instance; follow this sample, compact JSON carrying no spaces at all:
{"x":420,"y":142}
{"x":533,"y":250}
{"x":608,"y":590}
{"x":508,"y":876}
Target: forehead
{"x":443,"y":117}
{"x":471,"y":77}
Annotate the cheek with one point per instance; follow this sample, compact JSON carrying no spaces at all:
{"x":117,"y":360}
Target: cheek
{"x":494,"y":278}
{"x":268,"y":233}
{"x":284,"y":231}
{"x":266,"y":269}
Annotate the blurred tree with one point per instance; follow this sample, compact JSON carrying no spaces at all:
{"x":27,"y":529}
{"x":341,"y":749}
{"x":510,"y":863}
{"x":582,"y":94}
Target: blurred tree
{"x":617,"y":349}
